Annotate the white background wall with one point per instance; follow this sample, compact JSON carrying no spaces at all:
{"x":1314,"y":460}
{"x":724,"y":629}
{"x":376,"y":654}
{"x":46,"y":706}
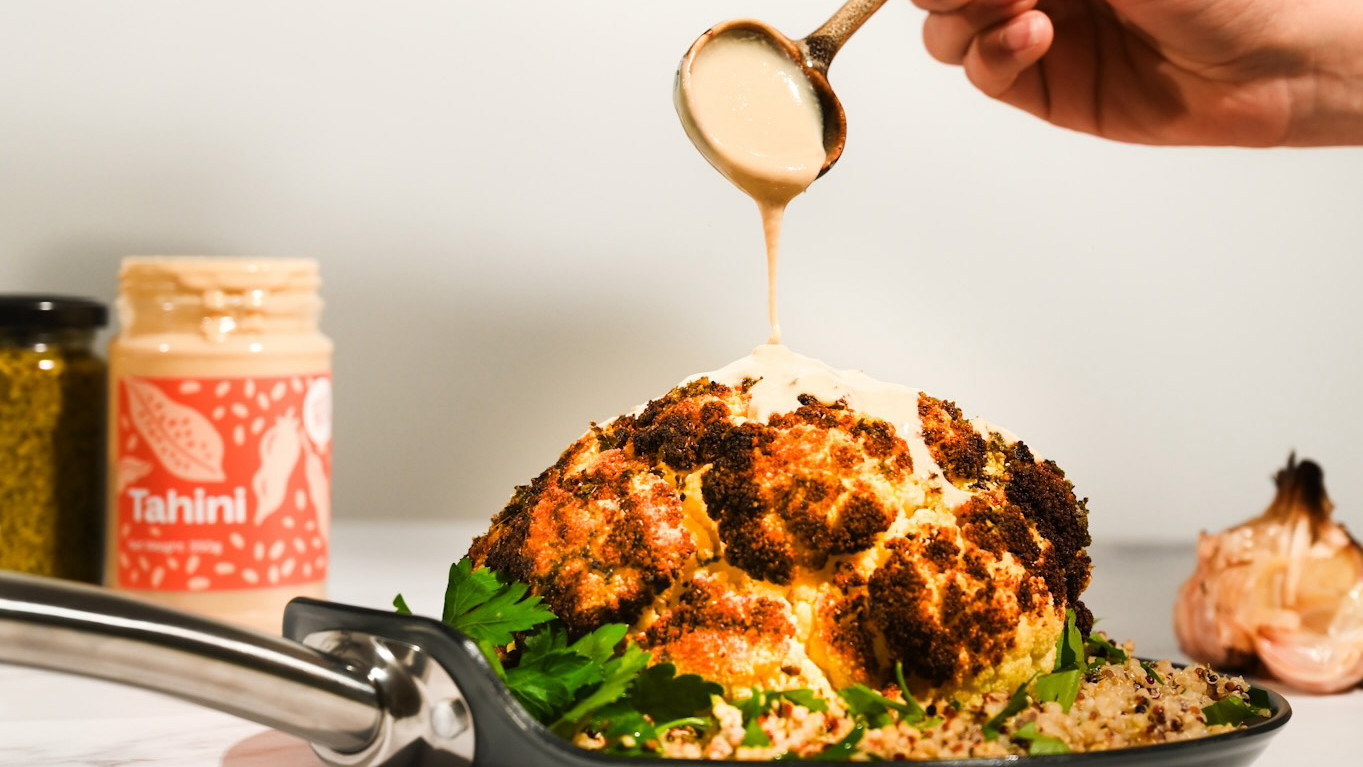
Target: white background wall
{"x":517,"y":239}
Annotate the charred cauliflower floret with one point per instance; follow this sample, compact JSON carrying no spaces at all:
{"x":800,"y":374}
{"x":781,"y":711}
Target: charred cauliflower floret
{"x":779,"y":524}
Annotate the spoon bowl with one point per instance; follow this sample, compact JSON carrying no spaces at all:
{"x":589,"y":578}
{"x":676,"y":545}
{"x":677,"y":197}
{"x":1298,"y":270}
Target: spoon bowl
{"x":812,"y":55}
{"x":834,"y":118}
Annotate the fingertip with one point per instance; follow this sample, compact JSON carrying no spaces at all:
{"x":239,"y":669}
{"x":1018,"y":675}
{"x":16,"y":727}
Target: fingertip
{"x":1025,"y":33}
{"x":947,"y":37}
{"x":1000,"y":55}
{"x":940,"y":6}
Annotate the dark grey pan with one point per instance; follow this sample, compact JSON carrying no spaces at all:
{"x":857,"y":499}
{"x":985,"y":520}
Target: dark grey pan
{"x":371,"y":687}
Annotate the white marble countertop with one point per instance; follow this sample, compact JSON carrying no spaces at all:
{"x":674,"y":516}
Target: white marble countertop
{"x":49,"y":719}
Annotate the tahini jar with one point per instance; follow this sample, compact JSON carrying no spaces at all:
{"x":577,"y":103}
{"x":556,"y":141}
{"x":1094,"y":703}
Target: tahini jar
{"x":219,"y":436}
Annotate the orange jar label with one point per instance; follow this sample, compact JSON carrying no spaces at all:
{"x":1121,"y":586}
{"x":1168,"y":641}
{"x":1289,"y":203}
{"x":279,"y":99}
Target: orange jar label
{"x":222,"y":483}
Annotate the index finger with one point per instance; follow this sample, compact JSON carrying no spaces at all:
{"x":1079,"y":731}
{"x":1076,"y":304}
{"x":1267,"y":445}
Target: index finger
{"x":941,"y":6}
{"x":953,"y":6}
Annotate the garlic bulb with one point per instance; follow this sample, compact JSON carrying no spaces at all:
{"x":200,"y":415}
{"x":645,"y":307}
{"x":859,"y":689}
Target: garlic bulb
{"x":1285,"y":588}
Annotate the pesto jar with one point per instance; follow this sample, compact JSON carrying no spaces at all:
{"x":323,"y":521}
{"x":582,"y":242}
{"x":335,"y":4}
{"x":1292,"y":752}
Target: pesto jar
{"x":52,"y":400}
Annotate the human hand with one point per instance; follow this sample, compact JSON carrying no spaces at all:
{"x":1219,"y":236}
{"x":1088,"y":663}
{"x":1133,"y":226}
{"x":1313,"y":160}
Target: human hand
{"x":1225,"y":72}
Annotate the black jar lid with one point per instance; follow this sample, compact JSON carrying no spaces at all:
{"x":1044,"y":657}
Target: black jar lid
{"x":46,"y":312}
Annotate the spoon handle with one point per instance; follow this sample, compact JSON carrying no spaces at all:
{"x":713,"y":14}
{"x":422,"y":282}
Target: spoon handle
{"x":823,"y":43}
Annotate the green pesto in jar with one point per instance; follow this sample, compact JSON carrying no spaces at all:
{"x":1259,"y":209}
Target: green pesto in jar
{"x":51,"y":436}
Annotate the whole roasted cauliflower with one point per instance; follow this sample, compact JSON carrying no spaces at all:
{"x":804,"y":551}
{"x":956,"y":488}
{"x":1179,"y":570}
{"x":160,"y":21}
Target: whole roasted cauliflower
{"x":781,"y":524}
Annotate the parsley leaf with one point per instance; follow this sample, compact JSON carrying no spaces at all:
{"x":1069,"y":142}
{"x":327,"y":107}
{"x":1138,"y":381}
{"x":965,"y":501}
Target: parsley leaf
{"x":868,"y":705}
{"x":547,"y":639}
{"x":842,"y":751}
{"x":599,"y":645}
{"x":598,"y":680}
{"x":1060,"y":687}
{"x":915,"y":713}
{"x":874,"y":708}
{"x":761,"y":701}
{"x":1038,"y":743}
{"x":1232,"y":710}
{"x":753,"y":734}
{"x":662,"y":696}
{"x":486,"y":610}
{"x":1070,"y":646}
{"x":1149,"y":667}
{"x":552,"y":676}
{"x":616,"y":676}
{"x":1099,"y":648}
{"x":547,"y":685}
{"x":626,"y":730}
{"x":752,"y":707}
{"x":994,"y":727}
{"x":1258,"y":697}
{"x":801,"y":697}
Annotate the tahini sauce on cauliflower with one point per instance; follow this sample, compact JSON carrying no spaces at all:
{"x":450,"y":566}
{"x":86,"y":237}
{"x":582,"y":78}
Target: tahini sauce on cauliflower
{"x":781,"y":524}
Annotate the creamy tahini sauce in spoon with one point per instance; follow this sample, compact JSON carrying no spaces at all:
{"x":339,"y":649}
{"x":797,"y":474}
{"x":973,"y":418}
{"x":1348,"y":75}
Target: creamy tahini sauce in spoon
{"x":752,"y":112}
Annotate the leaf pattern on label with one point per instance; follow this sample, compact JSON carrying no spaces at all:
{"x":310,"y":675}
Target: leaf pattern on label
{"x":183,"y":440}
{"x":129,"y":470}
{"x":179,"y":534}
{"x":280,"y":448}
{"x":319,"y":487}
{"x":317,"y":412}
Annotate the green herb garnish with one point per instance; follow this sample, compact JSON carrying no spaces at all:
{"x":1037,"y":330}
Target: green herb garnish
{"x":617,"y":675}
{"x":547,"y":684}
{"x":1071,"y":661}
{"x":1149,"y":667}
{"x":485,"y":609}
{"x":1060,"y":687}
{"x":663,"y":696}
{"x":869,"y":706}
{"x":994,"y":727}
{"x":842,"y":751}
{"x":601,"y":683}
{"x":1233,"y":710}
{"x":761,"y":701}
{"x":752,"y":708}
{"x":1258,"y":697}
{"x":658,"y":701}
{"x":875,"y":709}
{"x":1070,"y":650}
{"x":1038,"y":743}
{"x":599,"y":680}
{"x":1099,"y":648}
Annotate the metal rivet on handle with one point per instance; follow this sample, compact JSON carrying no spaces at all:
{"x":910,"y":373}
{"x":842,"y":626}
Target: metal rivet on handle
{"x":450,"y":718}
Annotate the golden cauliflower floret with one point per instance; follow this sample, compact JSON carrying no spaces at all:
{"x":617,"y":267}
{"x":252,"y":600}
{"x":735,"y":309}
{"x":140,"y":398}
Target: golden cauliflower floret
{"x":960,"y":613}
{"x":599,"y":537}
{"x":815,"y":547}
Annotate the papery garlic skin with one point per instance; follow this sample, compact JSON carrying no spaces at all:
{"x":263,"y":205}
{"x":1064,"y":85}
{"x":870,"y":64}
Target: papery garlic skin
{"x":1285,"y":589}
{"x":1206,"y":627}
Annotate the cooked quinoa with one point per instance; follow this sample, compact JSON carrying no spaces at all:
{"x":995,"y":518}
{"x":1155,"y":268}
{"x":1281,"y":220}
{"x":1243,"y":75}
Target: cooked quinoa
{"x":1118,"y":705}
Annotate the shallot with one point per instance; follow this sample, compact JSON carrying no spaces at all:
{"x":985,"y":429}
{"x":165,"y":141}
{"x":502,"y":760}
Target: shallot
{"x":1284,"y":589}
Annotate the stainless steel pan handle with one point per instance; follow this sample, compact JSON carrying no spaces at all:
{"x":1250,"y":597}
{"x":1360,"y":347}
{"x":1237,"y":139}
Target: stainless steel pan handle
{"x":279,"y":683}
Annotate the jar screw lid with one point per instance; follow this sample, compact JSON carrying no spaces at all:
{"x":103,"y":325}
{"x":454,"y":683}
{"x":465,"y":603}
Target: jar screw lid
{"x":51,"y":312}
